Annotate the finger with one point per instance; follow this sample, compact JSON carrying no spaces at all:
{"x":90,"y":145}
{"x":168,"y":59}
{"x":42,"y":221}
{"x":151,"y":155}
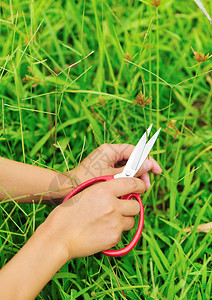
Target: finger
{"x":129,"y":207}
{"x":124,"y":186}
{"x":121,"y":152}
{"x":147,"y":166}
{"x":156,"y":169}
{"x":128,"y":223}
{"x":146,"y":179}
{"x":118,"y":152}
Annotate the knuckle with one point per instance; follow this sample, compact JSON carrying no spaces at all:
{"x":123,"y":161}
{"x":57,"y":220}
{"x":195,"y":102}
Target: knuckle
{"x":115,"y":225}
{"x":135,"y":206}
{"x":137,"y":185}
{"x":103,"y":146}
{"x":115,"y":239}
{"x":142,"y":186}
{"x":131,"y":223}
{"x":99,"y":190}
{"x":133,"y":183}
{"x":138,"y":208}
{"x":109,"y":208}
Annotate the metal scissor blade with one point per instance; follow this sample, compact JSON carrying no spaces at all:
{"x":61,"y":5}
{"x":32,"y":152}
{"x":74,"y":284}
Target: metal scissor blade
{"x":147,"y":149}
{"x":139,"y":148}
{"x":135,"y":156}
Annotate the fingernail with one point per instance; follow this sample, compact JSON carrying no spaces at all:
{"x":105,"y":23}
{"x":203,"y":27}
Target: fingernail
{"x":147,"y":165}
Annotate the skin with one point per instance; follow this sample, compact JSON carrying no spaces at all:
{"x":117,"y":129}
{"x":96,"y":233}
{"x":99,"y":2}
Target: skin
{"x":110,"y":160}
{"x":90,"y":222}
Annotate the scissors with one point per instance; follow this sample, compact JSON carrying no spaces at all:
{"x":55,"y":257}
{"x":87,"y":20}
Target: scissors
{"x":132,"y":166}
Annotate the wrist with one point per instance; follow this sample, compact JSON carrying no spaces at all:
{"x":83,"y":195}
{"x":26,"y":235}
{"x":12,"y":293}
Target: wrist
{"x":75,"y":176}
{"x":53,"y":243}
{"x":59,"y":186}
{"x":33,"y":266}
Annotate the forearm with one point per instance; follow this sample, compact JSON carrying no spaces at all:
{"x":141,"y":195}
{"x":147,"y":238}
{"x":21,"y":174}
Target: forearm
{"x":32,"y":267}
{"x":24,"y":183}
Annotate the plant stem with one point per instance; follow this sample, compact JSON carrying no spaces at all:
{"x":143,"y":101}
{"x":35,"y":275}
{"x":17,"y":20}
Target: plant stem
{"x":157,"y":83}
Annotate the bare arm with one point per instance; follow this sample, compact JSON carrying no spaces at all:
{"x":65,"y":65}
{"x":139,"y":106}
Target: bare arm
{"x":90,"y":222}
{"x":32,"y":267}
{"x":24,"y":183}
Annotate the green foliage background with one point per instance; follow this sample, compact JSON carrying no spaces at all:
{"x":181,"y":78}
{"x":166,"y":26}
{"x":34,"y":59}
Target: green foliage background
{"x":69,"y":74}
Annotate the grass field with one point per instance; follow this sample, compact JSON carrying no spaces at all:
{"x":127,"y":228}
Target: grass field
{"x":70,"y":72}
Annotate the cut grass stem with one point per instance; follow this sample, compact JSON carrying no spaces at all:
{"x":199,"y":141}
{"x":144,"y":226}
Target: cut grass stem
{"x":158,"y":74}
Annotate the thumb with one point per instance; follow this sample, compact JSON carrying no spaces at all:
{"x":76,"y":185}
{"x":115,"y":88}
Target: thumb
{"x":124,"y":186}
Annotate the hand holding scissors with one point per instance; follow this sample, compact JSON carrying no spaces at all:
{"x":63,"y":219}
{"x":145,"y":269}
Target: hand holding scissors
{"x":132,"y":166}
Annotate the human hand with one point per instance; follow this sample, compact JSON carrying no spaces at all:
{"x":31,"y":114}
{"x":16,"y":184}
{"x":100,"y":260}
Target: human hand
{"x":95,"y":223}
{"x":109,"y":159}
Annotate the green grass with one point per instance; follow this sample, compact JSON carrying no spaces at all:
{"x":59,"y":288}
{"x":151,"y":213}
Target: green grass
{"x":58,"y":103}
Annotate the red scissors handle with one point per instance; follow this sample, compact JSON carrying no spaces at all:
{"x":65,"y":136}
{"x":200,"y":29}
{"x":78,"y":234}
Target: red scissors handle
{"x":137,"y":235}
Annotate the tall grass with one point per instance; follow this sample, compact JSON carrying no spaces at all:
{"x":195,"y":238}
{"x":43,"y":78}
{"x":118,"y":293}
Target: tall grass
{"x":69,"y":75}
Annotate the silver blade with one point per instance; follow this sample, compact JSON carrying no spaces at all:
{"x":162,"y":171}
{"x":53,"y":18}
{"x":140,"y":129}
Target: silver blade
{"x":135,"y":156}
{"x":140,"y":148}
{"x":147,"y":149}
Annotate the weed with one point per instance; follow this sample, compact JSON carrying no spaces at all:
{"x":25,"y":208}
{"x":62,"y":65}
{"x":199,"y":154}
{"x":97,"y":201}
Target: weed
{"x":65,"y":88}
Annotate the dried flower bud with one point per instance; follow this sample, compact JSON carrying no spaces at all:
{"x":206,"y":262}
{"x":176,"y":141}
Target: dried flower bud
{"x":177,"y":132}
{"x":29,"y":69}
{"x":200,"y":57}
{"x":30,"y":78}
{"x":148,"y":101}
{"x":141,"y":100}
{"x":174,"y":130}
{"x":128,"y":56}
{"x":101,"y":101}
{"x":172,"y":124}
{"x":148,"y":46}
{"x":156,"y":3}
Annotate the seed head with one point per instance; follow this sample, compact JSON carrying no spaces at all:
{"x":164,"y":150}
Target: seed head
{"x":101,"y":101}
{"x":148,"y":46}
{"x":200,"y":57}
{"x":33,"y":80}
{"x":156,"y":3}
{"x":172,"y":124}
{"x":141,"y":100}
{"x":29,"y":69}
{"x":174,"y":130}
{"x":128,"y":56}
